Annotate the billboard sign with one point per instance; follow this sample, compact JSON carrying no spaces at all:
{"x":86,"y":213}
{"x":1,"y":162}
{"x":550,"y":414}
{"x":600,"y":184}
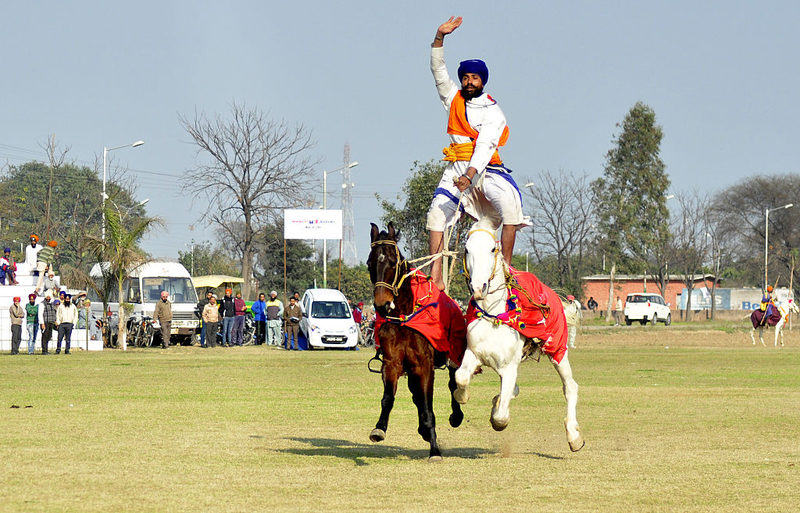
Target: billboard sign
{"x":312,"y":224}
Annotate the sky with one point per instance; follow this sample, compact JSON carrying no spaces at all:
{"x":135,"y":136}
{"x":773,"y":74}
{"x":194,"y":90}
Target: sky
{"x":721,"y":77}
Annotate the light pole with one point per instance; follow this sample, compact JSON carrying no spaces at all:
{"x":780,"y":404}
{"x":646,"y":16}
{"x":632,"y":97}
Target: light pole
{"x":766,"y":239}
{"x":325,"y":207}
{"x":105,"y":165}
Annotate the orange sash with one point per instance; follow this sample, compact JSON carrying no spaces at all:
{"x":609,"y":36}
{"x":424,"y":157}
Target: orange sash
{"x":457,"y":124}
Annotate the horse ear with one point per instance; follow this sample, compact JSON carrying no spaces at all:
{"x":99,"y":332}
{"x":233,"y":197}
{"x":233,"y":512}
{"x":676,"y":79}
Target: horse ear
{"x":391,"y":231}
{"x":373,"y":233}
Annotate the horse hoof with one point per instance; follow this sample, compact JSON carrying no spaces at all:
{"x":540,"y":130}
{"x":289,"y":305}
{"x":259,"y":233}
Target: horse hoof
{"x":435,"y":459}
{"x":498,"y":426}
{"x":516,"y":390}
{"x":456,"y":418}
{"x":577,"y":444}
{"x":377,"y":435}
{"x":461,"y":395}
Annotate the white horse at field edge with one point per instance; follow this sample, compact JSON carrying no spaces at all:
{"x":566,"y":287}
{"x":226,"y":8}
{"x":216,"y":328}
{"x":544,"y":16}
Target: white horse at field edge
{"x":784,"y":310}
{"x":499,"y":346}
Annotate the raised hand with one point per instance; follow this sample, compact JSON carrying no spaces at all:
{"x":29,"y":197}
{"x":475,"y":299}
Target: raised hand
{"x":450,"y":25}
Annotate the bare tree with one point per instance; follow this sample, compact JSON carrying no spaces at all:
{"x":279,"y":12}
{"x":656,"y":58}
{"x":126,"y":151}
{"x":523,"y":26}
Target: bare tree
{"x":562,"y":218}
{"x":690,"y":241}
{"x":56,"y":157}
{"x":740,"y":210}
{"x":253,"y":166}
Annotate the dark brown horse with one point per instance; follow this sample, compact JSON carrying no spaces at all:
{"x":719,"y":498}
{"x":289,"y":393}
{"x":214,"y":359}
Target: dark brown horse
{"x":405,"y":350}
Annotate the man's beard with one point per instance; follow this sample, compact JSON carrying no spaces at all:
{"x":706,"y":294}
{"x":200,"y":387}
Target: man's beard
{"x":477,"y":91}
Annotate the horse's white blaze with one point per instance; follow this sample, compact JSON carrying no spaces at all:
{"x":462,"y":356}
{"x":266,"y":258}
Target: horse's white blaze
{"x":499,"y":346}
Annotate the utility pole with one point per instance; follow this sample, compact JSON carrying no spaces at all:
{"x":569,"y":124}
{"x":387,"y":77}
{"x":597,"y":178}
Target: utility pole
{"x":348,"y":253}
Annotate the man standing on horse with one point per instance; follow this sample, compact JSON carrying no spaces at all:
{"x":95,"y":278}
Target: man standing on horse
{"x":477,"y":127}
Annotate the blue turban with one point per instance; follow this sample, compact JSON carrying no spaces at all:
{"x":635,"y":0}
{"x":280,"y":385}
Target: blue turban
{"x":7,"y":250}
{"x":476,"y":66}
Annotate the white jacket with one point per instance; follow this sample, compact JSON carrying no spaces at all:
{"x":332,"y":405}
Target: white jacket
{"x":67,"y":314}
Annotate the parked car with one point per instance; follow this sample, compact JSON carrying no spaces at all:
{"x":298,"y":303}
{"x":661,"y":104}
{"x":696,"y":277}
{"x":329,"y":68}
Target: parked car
{"x":645,"y":307}
{"x":327,"y":320}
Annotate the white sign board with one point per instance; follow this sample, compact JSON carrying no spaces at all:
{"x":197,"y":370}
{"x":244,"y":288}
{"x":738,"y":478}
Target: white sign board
{"x":312,"y":224}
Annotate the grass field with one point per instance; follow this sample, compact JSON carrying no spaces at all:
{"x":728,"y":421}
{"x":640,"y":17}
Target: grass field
{"x":674,"y":420}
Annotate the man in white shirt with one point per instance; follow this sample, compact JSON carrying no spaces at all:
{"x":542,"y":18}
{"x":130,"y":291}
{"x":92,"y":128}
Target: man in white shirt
{"x":477,"y":127}
{"x":66,"y":317}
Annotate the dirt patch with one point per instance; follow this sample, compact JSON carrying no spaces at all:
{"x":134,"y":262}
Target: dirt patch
{"x":653,"y":336}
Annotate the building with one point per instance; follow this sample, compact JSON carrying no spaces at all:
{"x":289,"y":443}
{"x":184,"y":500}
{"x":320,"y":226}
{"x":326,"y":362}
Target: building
{"x":596,"y":286}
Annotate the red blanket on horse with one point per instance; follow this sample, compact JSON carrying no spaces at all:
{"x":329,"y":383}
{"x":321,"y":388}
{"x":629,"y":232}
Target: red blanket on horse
{"x":534,"y":310}
{"x":436,"y":316}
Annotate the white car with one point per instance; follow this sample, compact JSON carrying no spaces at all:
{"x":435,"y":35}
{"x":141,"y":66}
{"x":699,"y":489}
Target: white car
{"x":645,"y":307}
{"x":327,"y":320}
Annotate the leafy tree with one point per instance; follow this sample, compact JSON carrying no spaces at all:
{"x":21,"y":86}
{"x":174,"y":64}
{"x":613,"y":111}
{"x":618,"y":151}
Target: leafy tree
{"x":253,"y":168}
{"x":300,"y":265}
{"x":630,"y":197}
{"x":73,"y":196}
{"x":205,"y":259}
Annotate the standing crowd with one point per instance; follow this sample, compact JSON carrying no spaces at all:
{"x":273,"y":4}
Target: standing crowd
{"x":55,"y":312}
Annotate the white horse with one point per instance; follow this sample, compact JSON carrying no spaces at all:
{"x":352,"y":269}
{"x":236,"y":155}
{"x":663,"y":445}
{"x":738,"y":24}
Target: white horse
{"x":497,"y":345}
{"x":784,"y":310}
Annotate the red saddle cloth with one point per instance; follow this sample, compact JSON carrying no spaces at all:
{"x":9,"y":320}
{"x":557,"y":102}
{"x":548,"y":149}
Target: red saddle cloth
{"x":436,"y":316}
{"x":531,"y":320}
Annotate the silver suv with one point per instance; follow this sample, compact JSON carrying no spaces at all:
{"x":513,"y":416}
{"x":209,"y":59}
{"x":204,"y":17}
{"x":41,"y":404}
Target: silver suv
{"x":645,"y":307}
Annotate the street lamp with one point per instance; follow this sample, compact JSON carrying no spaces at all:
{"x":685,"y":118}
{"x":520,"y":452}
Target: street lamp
{"x":325,"y":207}
{"x":105,"y":165}
{"x":766,"y":238}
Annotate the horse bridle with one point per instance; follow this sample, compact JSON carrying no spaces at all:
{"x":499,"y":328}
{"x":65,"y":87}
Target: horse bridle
{"x":398,"y":280}
{"x":494,"y":265}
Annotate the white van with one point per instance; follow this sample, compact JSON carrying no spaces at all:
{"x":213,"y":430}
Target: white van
{"x":327,"y":320}
{"x":143,"y":290}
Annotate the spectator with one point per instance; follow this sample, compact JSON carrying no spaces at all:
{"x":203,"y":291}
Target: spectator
{"x":358,"y":316}
{"x":49,"y":284}
{"x":9,"y":268}
{"x":201,"y":306}
{"x":31,"y":255}
{"x":259,"y":309}
{"x":592,"y":304}
{"x":211,"y":321}
{"x":239,"y":308}
{"x":47,"y":321}
{"x":32,"y":318}
{"x":292,"y":316}
{"x":227,"y":312}
{"x":274,"y":316}
{"x":86,"y":319}
{"x":45,"y":259}
{"x":617,"y":311}
{"x":163,"y":316}
{"x":296,"y":296}
{"x":66,"y":317}
{"x":17,"y":318}
{"x":572,"y":330}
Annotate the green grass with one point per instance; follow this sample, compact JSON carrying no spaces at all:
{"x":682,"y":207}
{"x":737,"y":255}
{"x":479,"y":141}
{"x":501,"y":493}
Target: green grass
{"x":674,"y":421}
